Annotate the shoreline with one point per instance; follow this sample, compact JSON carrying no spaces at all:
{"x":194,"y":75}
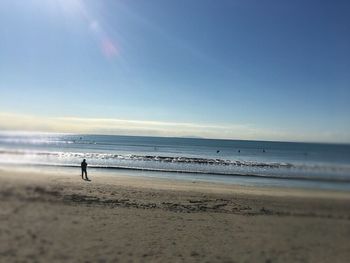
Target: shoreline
{"x":145,"y":179}
{"x":56,"y":216}
{"x":242,"y":180}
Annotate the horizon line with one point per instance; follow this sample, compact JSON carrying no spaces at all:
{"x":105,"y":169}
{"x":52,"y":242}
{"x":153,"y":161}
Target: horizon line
{"x":108,"y":126}
{"x":23,"y":132}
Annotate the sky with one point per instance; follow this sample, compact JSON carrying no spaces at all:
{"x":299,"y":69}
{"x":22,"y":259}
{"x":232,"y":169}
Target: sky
{"x":236,"y":69}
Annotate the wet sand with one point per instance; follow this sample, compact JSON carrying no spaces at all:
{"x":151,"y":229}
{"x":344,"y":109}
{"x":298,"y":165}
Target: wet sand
{"x":56,"y":217}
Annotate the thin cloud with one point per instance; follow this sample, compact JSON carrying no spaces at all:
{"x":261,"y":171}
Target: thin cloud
{"x":19,"y":122}
{"x":10,"y":121}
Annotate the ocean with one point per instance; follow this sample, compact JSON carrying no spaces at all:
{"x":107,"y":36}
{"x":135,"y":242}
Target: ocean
{"x":309,"y":165}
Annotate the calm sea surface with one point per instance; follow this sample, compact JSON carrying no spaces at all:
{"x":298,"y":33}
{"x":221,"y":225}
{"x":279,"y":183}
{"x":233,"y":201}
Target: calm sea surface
{"x":323,"y":165}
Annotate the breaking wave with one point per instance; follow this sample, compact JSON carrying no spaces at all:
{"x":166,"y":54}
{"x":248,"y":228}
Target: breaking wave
{"x":180,"y":164}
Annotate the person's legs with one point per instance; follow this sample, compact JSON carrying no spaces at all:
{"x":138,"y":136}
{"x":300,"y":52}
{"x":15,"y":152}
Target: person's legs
{"x":82,"y":174}
{"x":86,"y":175}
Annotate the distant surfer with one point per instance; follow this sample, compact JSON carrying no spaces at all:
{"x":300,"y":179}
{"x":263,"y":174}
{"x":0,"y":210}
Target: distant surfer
{"x":84,"y":170}
{"x":217,"y":151}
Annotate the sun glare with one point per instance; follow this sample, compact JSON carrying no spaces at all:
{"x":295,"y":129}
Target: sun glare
{"x":71,"y":10}
{"x":70,"y":7}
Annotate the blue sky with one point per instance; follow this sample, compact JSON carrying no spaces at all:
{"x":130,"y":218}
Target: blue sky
{"x":273,"y":70}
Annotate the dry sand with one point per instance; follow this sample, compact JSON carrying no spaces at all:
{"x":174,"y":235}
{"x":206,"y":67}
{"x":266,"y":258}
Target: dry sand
{"x":57,"y":217}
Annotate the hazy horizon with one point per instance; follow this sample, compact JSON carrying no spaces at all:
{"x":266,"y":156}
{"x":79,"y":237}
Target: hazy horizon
{"x":136,"y":132}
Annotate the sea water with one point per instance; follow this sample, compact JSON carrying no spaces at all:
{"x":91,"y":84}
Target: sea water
{"x":261,"y":162}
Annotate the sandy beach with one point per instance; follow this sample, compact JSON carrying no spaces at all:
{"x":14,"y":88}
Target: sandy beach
{"x":56,"y":217}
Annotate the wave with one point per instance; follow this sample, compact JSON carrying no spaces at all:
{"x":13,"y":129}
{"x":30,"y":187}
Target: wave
{"x":155,"y":158}
{"x":180,"y":164}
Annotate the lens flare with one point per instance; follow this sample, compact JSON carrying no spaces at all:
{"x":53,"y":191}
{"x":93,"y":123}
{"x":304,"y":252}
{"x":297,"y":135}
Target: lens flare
{"x":109,"y":48}
{"x":77,"y":9}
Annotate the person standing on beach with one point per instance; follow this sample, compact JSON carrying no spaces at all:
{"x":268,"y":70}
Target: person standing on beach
{"x":84,"y":170}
